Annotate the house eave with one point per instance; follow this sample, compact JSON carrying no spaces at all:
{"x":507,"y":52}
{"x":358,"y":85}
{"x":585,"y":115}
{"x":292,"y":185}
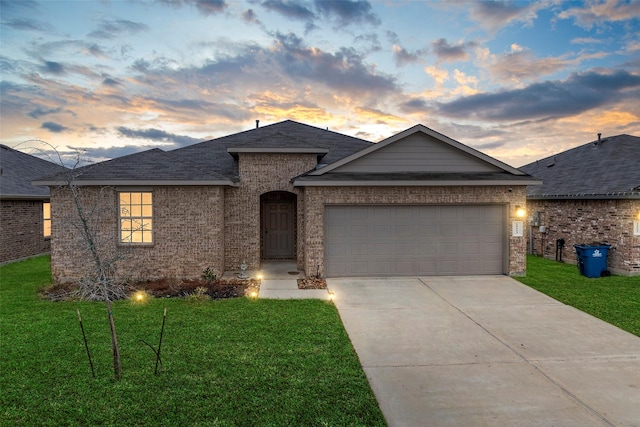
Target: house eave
{"x":130,"y":182}
{"x":283,"y":150}
{"x":24,"y":197}
{"x":587,"y":196}
{"x":411,"y":183}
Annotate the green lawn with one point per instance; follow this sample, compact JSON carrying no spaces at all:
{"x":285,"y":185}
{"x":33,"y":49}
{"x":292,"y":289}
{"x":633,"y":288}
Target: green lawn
{"x":236,"y":362}
{"x":614,"y":299}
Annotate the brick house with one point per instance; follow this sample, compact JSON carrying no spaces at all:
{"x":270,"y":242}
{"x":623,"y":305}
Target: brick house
{"x":418,"y":203}
{"x":25,"y":217}
{"x":590,"y":194}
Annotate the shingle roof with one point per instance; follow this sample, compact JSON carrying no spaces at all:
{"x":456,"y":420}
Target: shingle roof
{"x":607,"y":169}
{"x":286,"y":134}
{"x":151,"y":166}
{"x":17,"y":171}
{"x":417,"y":178}
{"x":209,"y":161}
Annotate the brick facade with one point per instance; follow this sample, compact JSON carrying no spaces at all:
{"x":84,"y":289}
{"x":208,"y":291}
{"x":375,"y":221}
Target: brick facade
{"x":586,"y":222}
{"x":316,"y":198}
{"x":260,"y":174}
{"x":22,"y":229}
{"x":188,"y":234}
{"x":196,"y":227}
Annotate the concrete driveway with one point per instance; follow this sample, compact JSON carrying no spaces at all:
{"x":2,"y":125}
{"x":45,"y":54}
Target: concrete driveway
{"x":487,"y":351}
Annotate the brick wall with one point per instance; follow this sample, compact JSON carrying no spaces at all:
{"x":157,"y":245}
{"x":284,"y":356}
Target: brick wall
{"x":188,"y":236}
{"x":259,"y":174}
{"x":585,"y":222}
{"x":22,"y":229}
{"x":317,"y":197}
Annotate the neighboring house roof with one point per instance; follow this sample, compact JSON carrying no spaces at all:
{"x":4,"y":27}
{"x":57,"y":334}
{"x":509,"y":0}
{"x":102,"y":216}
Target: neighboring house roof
{"x":608,"y":168}
{"x":17,"y":169}
{"x":416,"y":156}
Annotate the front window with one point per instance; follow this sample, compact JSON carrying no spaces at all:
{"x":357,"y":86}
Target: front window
{"x":136,"y":221}
{"x":46,"y":219}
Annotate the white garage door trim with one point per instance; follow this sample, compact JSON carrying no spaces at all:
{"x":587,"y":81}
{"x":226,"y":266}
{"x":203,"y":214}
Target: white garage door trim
{"x":414,"y":240}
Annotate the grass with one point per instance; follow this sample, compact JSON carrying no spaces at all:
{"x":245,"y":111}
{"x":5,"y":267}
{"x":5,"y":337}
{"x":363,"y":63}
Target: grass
{"x":614,"y":299}
{"x":236,"y":362}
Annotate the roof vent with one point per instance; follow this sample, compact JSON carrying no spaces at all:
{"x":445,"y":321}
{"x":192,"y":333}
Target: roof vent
{"x":599,"y":141}
{"x":257,"y":124}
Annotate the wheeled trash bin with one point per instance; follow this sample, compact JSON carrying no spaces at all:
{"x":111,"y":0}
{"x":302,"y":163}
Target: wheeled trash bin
{"x":592,"y":259}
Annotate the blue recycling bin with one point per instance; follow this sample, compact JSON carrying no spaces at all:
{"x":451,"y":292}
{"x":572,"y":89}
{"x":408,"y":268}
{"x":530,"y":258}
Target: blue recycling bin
{"x":592,"y":259}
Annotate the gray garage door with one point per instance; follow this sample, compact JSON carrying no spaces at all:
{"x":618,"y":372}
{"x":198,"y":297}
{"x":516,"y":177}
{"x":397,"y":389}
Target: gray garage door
{"x":414,"y":240}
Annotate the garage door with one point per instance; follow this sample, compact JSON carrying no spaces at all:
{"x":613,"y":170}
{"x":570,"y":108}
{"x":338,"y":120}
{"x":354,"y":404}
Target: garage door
{"x":414,"y":240}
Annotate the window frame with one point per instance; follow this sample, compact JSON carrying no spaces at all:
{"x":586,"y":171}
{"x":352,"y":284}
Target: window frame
{"x":46,"y":219}
{"x":136,"y":213}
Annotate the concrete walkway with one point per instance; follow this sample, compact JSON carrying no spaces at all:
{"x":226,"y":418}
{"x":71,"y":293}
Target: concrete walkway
{"x":280,"y":281}
{"x":487,"y":351}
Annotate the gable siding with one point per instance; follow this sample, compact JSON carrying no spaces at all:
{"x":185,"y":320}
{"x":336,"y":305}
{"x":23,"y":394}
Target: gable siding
{"x":417,"y":153}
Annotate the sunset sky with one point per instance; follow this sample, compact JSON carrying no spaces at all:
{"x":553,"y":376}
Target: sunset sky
{"x":516,"y":80}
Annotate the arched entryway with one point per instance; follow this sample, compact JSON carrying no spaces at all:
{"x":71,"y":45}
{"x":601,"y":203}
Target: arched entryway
{"x":278,"y":225}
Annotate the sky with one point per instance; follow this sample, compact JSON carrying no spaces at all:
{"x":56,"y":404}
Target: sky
{"x":518,"y":81}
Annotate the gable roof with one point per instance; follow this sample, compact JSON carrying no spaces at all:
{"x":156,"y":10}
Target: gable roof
{"x":151,"y":167}
{"x":416,"y":156}
{"x":17,"y":169}
{"x":604,"y":169}
{"x":212,"y":162}
{"x":277,"y":137}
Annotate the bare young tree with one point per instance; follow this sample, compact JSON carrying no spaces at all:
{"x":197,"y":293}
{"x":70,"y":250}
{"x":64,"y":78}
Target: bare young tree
{"x":90,"y":205}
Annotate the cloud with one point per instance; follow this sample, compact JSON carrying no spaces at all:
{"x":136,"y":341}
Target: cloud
{"x":108,"y":81}
{"x":448,"y":52}
{"x":579,"y":93}
{"x":494,"y":15}
{"x":53,"y":127}
{"x":39,"y":111}
{"x":347,"y":12}
{"x":342,"y":70}
{"x":414,"y":105}
{"x":372,"y":115}
{"x":402,"y":57}
{"x":250,"y":17}
{"x":51,"y":67}
{"x":29,"y":25}
{"x":157,"y":135}
{"x":598,"y":12}
{"x":210,"y":7}
{"x":585,"y":40}
{"x":112,"y":28}
{"x":438,"y":74}
{"x":290,"y":9}
{"x":521,"y":64}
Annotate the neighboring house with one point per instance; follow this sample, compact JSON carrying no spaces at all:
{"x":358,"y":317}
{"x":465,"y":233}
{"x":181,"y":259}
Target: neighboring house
{"x":417,"y":203}
{"x":590,"y":194}
{"x":25,"y":220}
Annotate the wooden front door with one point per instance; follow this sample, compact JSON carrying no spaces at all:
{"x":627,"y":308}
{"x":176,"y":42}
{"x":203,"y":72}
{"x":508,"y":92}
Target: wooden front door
{"x":278,"y":230}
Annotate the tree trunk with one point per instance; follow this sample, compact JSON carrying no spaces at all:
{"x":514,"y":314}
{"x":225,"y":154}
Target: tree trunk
{"x":114,"y":342}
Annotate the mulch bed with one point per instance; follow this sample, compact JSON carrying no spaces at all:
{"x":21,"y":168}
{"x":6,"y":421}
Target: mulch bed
{"x":169,"y":288}
{"x":312,"y":283}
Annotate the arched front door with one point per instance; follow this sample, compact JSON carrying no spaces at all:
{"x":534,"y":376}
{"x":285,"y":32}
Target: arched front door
{"x":278,"y":223}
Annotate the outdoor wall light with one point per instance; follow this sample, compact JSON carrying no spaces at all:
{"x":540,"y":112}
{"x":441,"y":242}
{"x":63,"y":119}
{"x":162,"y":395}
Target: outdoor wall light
{"x":520,"y":211}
